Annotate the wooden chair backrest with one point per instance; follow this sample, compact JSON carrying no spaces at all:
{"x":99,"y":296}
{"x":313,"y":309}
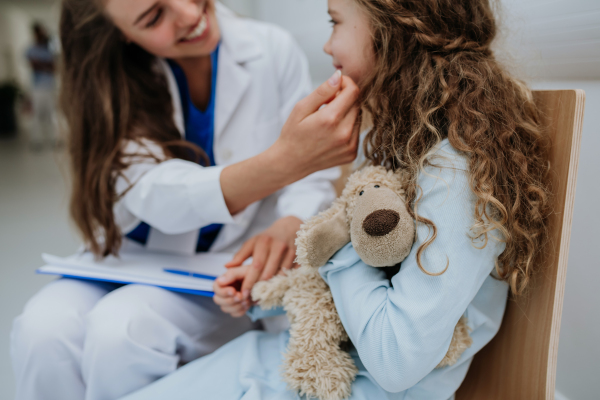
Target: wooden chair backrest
{"x":520,"y":362}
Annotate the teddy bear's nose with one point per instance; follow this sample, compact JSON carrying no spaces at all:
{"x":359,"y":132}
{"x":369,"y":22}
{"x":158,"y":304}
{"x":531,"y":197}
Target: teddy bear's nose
{"x":381,"y":222}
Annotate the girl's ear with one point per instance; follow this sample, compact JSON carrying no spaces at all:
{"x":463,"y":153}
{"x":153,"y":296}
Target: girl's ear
{"x":322,"y":235}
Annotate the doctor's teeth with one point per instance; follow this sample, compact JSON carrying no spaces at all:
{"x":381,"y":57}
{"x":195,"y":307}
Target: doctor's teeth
{"x":199,"y":29}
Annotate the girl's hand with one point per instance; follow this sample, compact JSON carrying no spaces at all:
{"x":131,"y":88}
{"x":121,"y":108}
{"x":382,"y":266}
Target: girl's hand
{"x":272,"y":251}
{"x":227,"y":295}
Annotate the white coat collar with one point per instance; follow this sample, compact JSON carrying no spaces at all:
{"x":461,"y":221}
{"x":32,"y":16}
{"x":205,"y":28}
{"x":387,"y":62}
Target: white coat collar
{"x":236,"y":37}
{"x":238,"y":46}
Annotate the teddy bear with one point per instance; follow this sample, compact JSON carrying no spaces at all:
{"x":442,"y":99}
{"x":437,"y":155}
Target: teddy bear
{"x":372,"y":214}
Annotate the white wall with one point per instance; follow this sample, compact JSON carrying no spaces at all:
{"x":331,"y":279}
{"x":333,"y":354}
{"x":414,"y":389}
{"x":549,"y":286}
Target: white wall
{"x":15,"y":39}
{"x":553,"y":39}
{"x":309,"y":23}
{"x":307,"y":20}
{"x":245,"y":8}
{"x":5,"y":59}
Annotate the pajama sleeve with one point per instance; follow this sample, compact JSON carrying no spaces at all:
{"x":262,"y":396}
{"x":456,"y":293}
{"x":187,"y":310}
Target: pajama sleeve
{"x":256,"y":312}
{"x":403,"y":330}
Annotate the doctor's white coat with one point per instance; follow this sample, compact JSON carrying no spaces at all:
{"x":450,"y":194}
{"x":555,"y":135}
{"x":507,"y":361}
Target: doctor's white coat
{"x":262,"y":74}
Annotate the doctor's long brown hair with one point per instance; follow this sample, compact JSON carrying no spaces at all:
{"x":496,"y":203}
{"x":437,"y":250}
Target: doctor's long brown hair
{"x":436,"y":77}
{"x":111,"y":92}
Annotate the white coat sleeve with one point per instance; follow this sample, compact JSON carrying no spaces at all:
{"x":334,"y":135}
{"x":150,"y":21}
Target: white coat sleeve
{"x":307,"y":197}
{"x":173,"y":196}
{"x":402,"y":331}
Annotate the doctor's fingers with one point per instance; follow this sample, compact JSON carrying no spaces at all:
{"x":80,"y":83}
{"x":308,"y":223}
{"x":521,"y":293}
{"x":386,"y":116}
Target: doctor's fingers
{"x":347,"y":138}
{"x":350,"y":126}
{"x":231,"y":276}
{"x":259,"y":259}
{"x":321,"y":95}
{"x":243,"y":253}
{"x":343,"y":103}
{"x":277,"y":253}
{"x":288,"y":261}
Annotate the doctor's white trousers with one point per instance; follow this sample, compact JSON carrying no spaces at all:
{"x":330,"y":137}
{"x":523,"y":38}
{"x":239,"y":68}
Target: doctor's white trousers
{"x":81,"y":340}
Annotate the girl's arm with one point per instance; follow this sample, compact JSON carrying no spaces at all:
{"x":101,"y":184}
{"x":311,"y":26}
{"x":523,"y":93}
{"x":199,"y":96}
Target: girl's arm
{"x":402,"y":332}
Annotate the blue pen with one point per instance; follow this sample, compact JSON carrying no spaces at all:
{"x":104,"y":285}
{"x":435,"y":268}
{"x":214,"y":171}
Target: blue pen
{"x":189,"y":273}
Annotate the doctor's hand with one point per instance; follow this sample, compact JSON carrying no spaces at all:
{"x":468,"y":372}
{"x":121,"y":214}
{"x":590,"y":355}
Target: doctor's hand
{"x":272,"y":251}
{"x":316,"y":137}
{"x":313,"y":138}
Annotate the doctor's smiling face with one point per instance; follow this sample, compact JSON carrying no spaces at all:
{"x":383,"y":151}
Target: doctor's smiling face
{"x":173,"y":29}
{"x":350,"y":44}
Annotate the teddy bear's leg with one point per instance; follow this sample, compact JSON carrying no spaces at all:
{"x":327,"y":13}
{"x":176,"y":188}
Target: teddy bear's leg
{"x":461,"y":340}
{"x":326,"y":374}
{"x":270,"y":293}
{"x":314,"y":363}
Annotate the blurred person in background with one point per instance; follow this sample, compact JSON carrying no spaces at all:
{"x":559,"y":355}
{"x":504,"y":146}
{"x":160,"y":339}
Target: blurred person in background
{"x":43,"y":92}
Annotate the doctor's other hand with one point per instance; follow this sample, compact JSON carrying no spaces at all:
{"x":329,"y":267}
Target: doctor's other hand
{"x":227,"y":294}
{"x":316,"y":137}
{"x":272,"y":251}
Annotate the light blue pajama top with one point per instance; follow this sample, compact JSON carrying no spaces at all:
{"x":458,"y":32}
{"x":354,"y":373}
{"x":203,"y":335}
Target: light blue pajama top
{"x":400,"y":332}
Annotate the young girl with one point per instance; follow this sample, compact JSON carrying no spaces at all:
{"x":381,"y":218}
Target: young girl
{"x":443,"y":108}
{"x":149,"y":89}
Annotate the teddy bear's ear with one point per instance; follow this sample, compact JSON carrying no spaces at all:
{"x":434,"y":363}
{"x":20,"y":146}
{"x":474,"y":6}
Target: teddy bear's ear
{"x":402,"y":176}
{"x":322,"y":235}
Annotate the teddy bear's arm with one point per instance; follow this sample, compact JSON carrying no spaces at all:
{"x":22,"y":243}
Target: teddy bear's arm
{"x":269,"y":294}
{"x":322,"y":236}
{"x":461,"y":340}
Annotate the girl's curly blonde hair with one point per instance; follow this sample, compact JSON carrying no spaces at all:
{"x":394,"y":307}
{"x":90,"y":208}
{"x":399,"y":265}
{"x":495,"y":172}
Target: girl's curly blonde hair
{"x":436,"y":77}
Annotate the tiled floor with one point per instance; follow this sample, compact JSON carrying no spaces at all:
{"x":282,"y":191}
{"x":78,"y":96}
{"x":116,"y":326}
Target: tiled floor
{"x":33,"y":220}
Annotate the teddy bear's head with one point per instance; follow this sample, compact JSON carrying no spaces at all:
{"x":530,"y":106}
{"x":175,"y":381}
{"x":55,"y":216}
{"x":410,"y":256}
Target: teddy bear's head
{"x":381,"y":229}
{"x":371,"y":213}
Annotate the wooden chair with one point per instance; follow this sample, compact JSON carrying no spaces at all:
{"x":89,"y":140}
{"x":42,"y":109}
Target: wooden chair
{"x":520,"y":362}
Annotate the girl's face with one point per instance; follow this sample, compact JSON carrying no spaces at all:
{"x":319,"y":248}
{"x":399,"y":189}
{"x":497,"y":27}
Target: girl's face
{"x":174,"y":29}
{"x":350,"y":44}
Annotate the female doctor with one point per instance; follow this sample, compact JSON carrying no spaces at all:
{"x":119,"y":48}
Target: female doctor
{"x":149,"y":88}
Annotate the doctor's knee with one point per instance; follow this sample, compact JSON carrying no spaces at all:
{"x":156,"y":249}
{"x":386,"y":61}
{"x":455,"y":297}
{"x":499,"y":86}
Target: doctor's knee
{"x":46,"y":335}
{"x":123,"y":321}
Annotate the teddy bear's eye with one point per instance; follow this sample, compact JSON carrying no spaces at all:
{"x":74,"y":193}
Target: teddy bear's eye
{"x":361,"y":192}
{"x":376,"y":186}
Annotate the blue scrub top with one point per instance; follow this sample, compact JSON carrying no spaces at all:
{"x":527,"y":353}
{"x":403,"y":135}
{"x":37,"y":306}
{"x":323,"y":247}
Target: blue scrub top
{"x":199,"y":129}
